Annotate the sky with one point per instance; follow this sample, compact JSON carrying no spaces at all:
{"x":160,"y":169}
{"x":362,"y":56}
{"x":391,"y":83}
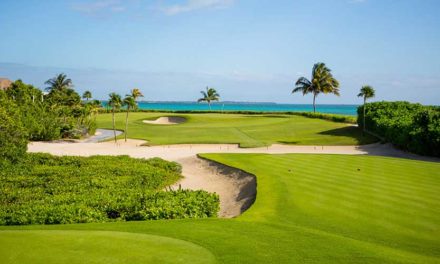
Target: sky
{"x":248,"y":50}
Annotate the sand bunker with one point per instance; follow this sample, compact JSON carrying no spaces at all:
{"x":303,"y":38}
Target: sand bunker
{"x":166,"y":120}
{"x":237,"y":189}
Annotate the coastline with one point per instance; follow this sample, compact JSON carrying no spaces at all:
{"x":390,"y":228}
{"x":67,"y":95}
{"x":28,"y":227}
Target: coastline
{"x":233,"y":107}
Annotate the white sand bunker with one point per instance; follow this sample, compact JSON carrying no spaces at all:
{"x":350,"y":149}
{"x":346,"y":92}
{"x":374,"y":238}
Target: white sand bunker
{"x":166,"y":120}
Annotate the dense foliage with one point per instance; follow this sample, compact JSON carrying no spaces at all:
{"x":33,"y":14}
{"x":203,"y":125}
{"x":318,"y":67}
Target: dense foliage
{"x":13,"y":136}
{"x":413,"y":127}
{"x":57,"y":114}
{"x":45,"y":189}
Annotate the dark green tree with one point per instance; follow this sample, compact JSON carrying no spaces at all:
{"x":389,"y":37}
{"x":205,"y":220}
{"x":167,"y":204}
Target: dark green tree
{"x":115,"y":102}
{"x":209,"y":96}
{"x":129,"y":103}
{"x":322,"y":82}
{"x":366,"y":92}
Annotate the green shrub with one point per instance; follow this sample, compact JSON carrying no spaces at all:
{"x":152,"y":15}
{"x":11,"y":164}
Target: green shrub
{"x":13,"y":136}
{"x":412,"y":127}
{"x":45,"y":189}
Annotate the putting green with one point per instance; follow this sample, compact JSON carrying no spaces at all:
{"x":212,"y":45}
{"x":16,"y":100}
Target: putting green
{"x":246,"y":130}
{"x":97,"y":247}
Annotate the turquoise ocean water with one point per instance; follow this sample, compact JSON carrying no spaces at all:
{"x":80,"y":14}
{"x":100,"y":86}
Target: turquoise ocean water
{"x":260,"y":107}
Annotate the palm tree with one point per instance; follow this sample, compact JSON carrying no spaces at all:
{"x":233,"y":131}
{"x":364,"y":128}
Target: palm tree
{"x":366,"y":92}
{"x":135,"y":93}
{"x":87,"y":95}
{"x":130,"y":103}
{"x":59,"y":82}
{"x":115,"y":102}
{"x":322,"y":82}
{"x":209,"y":96}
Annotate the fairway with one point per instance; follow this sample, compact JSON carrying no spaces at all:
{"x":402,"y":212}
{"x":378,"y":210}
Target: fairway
{"x":309,"y":209}
{"x":246,"y":130}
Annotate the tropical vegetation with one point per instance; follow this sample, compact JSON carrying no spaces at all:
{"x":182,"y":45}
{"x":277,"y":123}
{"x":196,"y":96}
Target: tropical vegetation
{"x":210,"y":95}
{"x":366,"y":92}
{"x":115,"y":102}
{"x":27,"y":113}
{"x":87,"y":95}
{"x":135,"y":93}
{"x":412,"y":127}
{"x":130,"y":103}
{"x":44,"y":189}
{"x":322,"y":81}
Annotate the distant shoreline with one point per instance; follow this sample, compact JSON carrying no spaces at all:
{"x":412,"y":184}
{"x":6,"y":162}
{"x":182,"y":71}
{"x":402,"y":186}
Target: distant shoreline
{"x":339,"y":109}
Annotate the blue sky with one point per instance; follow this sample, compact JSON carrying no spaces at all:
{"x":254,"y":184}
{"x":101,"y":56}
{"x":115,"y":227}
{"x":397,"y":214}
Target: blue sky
{"x":248,"y":50}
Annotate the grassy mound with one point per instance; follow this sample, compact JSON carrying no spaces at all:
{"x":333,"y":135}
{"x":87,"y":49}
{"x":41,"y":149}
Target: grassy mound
{"x":246,"y":130}
{"x":309,"y":209}
{"x":45,"y":189}
{"x":97,"y":247}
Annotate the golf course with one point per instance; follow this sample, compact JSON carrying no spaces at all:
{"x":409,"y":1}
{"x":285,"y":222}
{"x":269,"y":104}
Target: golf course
{"x":220,"y":132}
{"x":245,"y":130}
{"x":309,"y":209}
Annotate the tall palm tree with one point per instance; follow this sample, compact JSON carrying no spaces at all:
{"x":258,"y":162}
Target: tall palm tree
{"x":115,"y":102}
{"x":209,"y":96}
{"x":130,"y":103}
{"x":322,"y":82}
{"x":59,"y":82}
{"x":135,"y":93}
{"x":87,"y":95}
{"x":366,"y":92}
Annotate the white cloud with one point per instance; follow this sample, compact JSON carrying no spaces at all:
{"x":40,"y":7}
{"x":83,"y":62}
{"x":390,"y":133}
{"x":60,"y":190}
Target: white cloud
{"x":192,"y":5}
{"x":94,"y":7}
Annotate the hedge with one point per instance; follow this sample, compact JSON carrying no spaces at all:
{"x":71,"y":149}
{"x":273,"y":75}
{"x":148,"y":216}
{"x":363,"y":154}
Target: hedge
{"x":45,"y":189}
{"x":409,"y":126}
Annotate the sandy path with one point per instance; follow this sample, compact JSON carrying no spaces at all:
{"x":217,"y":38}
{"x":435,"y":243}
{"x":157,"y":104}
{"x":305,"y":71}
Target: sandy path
{"x":235,"y":188}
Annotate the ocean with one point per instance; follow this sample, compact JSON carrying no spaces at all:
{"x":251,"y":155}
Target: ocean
{"x":260,"y":107}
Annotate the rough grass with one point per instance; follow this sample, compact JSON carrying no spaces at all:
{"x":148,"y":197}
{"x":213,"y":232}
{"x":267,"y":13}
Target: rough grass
{"x":46,"y":189}
{"x":309,"y":209}
{"x":246,"y":130}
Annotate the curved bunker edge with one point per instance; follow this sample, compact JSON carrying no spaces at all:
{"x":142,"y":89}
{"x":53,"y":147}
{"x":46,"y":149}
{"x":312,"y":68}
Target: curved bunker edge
{"x":245,"y":193}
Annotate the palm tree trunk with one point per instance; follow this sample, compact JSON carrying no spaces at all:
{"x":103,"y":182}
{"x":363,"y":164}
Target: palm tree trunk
{"x":209,"y":103}
{"x":364,"y":129}
{"x":114,"y":129}
{"x":314,"y":106}
{"x":126,"y":123}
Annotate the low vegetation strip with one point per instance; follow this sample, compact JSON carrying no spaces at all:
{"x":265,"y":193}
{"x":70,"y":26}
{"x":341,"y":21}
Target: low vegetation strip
{"x":412,"y":127}
{"x":45,"y":189}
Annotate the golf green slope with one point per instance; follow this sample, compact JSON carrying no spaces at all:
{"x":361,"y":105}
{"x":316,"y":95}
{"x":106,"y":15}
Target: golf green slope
{"x":246,"y":130}
{"x":309,"y":209}
{"x":97,"y":247}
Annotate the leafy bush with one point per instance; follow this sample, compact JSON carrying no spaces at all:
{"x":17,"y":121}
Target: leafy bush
{"x":13,"y":136}
{"x":412,"y":127}
{"x":45,"y":189}
{"x":49,"y":117}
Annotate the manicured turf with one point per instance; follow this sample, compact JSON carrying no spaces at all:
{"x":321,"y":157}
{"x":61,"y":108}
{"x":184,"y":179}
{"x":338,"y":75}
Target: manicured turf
{"x":309,"y":209}
{"x":97,"y":247}
{"x":247,"y":130}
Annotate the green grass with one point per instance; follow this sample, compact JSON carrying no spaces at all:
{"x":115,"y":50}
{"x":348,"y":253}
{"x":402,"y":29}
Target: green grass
{"x":309,"y":209}
{"x":246,"y":130}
